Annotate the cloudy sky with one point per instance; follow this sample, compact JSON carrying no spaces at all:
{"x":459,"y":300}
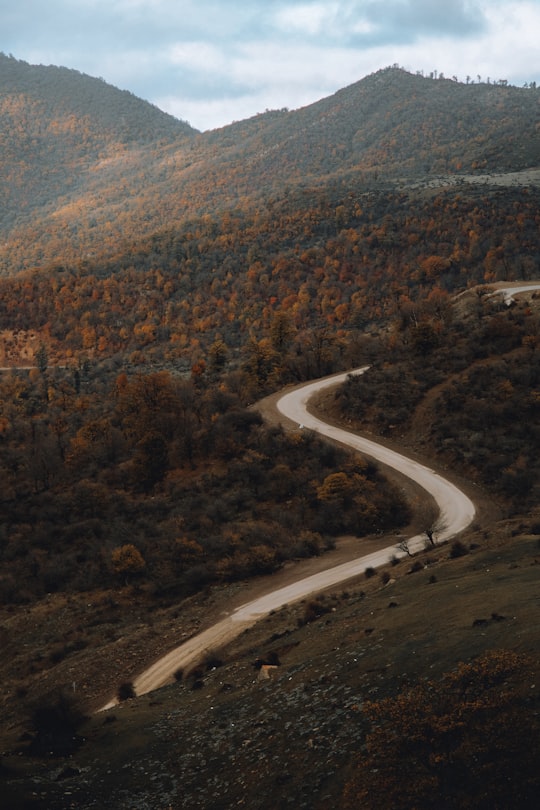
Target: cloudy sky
{"x":212,"y":62}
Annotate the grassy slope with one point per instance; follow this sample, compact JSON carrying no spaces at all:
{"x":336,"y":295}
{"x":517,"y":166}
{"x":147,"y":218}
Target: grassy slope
{"x":288,"y":740}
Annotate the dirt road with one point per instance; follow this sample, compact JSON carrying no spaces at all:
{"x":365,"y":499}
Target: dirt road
{"x":456,"y":509}
{"x":456,"y":513}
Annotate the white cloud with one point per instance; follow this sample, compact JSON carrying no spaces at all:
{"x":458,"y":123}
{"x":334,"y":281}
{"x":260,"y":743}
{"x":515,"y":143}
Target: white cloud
{"x":506,"y":49}
{"x":309,"y":18}
{"x":196,"y":56}
{"x":212,"y":61}
{"x":211,"y":114}
{"x":334,"y":19}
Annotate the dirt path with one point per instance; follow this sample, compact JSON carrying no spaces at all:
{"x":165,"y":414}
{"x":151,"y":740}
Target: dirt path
{"x":456,"y":510}
{"x":455,"y":506}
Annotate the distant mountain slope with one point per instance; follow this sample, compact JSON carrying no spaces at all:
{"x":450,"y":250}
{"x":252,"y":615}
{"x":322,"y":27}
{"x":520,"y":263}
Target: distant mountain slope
{"x":410,"y":125}
{"x":112,"y":112}
{"x":85,"y":167}
{"x":57,"y":124}
{"x":397,"y":123}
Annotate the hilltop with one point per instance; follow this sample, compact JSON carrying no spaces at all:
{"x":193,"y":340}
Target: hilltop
{"x":57,"y":128}
{"x":89,"y":168}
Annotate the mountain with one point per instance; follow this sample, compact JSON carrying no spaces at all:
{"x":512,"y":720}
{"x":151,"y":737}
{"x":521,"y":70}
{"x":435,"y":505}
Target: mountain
{"x":85,"y":167}
{"x":398,"y":124}
{"x":329,"y":216}
{"x":57,"y":127}
{"x":158,"y":282}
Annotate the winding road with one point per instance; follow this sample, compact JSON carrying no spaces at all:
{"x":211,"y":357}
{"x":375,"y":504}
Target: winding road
{"x":456,"y":512}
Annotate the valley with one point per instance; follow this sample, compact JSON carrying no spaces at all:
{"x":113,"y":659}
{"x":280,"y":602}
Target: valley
{"x":178,"y":524}
{"x":375,"y":645}
{"x":456,"y":512}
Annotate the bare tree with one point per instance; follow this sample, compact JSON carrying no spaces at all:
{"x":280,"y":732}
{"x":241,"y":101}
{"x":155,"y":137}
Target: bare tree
{"x":403,"y":545}
{"x":436,"y":527}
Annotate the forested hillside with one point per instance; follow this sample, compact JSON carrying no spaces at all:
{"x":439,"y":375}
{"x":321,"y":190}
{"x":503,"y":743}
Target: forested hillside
{"x":138,"y":251}
{"x":155,"y":283}
{"x":88,"y":169}
{"x":292,"y":284}
{"x":113,"y":479}
{"x":462,"y":381}
{"x":58,"y":128}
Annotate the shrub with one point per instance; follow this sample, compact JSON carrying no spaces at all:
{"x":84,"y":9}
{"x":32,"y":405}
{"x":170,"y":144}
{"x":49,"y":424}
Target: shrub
{"x":458,"y":549}
{"x":369,"y":572}
{"x":197,"y":673}
{"x":466,"y":737}
{"x":127,"y":560}
{"x":125,"y":691}
{"x":55,"y":722}
{"x":212,"y":661}
{"x":313,"y":611}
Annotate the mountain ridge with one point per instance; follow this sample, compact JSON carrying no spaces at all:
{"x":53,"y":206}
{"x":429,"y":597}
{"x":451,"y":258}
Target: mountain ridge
{"x":72,"y":91}
{"x":69,"y":175}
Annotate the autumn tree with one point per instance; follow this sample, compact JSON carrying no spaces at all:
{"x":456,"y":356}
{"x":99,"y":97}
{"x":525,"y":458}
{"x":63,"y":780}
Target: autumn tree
{"x":346,"y":502}
{"x":260,"y":364}
{"x":217,"y":356}
{"x":127,"y":561}
{"x":150,"y":461}
{"x":424,"y":338}
{"x":186,"y":553}
{"x":280,"y":332}
{"x":42,"y":359}
{"x":339,"y":488}
{"x":147,"y":403}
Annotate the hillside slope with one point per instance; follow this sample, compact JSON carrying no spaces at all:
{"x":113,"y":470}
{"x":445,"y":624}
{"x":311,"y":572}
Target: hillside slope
{"x":86,"y":167}
{"x":396,"y":124}
{"x":296,"y":737}
{"x":168,"y":281}
{"x":57,"y":126}
{"x":326,"y":265}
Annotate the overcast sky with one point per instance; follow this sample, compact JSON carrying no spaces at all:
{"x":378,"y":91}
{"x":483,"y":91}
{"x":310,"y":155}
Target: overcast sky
{"x":211,"y":62}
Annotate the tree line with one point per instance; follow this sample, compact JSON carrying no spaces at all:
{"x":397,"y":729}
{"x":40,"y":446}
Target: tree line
{"x":163,"y":481}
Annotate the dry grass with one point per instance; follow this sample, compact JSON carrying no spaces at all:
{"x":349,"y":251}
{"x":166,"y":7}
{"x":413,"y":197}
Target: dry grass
{"x":238,"y":739}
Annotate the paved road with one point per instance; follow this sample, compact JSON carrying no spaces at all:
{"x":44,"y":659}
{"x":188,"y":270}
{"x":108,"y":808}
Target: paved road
{"x":456,"y":513}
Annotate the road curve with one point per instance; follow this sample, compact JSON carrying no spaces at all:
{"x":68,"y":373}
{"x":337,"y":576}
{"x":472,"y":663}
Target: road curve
{"x":508,"y":291}
{"x":456,"y":509}
{"x":456,"y":513}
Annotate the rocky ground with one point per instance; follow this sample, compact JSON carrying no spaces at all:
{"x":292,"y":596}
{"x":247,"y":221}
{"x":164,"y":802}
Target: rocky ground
{"x":223,"y":738}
